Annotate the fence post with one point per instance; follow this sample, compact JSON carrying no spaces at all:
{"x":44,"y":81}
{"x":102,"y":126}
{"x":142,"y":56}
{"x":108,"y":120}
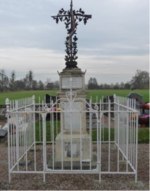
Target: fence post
{"x":115,"y":114}
{"x":7,"y":115}
{"x":136,"y":147}
{"x":17,"y":133}
{"x":34,"y":132}
{"x":44,"y":143}
{"x":127,"y":134}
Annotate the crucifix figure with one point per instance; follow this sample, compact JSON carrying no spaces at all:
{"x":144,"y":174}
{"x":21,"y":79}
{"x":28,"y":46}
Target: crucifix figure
{"x":71,"y":19}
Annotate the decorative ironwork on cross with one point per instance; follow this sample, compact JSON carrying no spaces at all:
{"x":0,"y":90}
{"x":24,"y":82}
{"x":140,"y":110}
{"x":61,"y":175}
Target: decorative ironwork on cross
{"x":71,"y":19}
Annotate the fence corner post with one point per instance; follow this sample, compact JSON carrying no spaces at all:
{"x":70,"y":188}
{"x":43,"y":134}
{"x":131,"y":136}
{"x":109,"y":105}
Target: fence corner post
{"x":33,"y":99}
{"x":114,"y":98}
{"x":44,"y":143}
{"x":7,"y":103}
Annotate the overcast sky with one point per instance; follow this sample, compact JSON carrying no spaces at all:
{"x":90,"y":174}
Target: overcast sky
{"x":111,"y":47}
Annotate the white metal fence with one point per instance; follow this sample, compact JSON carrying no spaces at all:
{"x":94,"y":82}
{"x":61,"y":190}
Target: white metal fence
{"x":72,"y":136}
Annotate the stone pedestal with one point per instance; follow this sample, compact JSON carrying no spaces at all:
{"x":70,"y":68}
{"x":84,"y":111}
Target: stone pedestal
{"x":80,"y":147}
{"x":73,"y":142}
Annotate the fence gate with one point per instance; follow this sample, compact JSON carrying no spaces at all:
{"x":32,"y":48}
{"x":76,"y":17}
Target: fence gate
{"x":72,"y":136}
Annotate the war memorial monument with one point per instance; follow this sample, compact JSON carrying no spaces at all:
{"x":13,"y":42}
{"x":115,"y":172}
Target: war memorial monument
{"x":72,"y":78}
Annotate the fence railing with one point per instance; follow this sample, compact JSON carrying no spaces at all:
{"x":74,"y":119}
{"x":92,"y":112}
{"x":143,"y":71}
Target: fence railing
{"x":72,"y":136}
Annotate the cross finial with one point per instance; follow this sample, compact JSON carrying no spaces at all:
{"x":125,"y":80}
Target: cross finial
{"x":71,"y":19}
{"x":71,"y":4}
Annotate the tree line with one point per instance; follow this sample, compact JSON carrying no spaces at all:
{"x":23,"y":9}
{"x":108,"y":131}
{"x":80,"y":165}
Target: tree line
{"x":139,"y":81}
{"x":27,"y":83}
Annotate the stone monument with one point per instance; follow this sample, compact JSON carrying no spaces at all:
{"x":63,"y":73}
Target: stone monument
{"x":72,"y":75}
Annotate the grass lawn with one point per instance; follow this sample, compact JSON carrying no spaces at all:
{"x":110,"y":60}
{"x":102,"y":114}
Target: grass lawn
{"x":24,"y":94}
{"x":91,"y":94}
{"x":143,"y":133}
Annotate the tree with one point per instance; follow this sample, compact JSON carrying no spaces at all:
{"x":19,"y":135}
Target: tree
{"x":12,"y":80}
{"x":122,"y":85}
{"x":40,"y":85}
{"x":4,"y":81}
{"x":106,"y":86}
{"x":26,"y":81}
{"x":127,"y":85}
{"x":34,"y":85}
{"x":50,"y":85}
{"x":140,"y":80}
{"x":47,"y":81}
{"x":20,"y":84}
{"x":116,"y":86}
{"x":111,"y":86}
{"x":30,"y":79}
{"x":101,"y":86}
{"x":92,"y":83}
{"x":56,"y":84}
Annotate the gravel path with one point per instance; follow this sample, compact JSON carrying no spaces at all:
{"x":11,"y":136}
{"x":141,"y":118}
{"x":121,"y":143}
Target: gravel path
{"x":75,"y":182}
{"x":2,"y":123}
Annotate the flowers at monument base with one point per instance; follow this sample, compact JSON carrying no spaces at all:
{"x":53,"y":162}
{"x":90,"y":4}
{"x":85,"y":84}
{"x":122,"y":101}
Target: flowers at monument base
{"x":56,"y":109}
{"x":50,"y":110}
{"x":133,"y":115}
{"x":144,"y":116}
{"x":143,"y":120}
{"x":145,"y":106}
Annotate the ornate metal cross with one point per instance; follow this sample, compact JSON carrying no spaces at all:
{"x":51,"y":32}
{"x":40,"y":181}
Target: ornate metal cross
{"x":70,"y":18}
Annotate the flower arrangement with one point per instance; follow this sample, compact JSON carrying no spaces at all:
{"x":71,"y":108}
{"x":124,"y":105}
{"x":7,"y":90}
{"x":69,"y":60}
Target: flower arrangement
{"x":145,"y":106}
{"x":145,"y":119}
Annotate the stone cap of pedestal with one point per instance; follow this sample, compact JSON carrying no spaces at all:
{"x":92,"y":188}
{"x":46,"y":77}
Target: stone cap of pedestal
{"x":72,"y":72}
{"x":74,"y":78}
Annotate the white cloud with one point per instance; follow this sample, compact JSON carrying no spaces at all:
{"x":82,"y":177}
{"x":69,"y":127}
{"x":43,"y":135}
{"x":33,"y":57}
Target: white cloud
{"x":113,"y":43}
{"x":46,"y":63}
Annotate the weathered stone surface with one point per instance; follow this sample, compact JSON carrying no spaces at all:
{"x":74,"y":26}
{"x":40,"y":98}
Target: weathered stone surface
{"x":76,"y":83}
{"x":81,"y":144}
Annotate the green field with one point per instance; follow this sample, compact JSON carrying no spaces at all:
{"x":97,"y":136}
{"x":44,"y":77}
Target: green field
{"x":91,"y":93}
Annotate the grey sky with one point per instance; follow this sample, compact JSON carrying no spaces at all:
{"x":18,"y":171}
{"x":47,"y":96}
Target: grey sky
{"x":111,"y":47}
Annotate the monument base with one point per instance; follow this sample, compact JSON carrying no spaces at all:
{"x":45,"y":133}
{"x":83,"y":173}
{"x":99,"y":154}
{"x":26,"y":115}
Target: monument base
{"x":76,"y":165}
{"x":76,"y":146}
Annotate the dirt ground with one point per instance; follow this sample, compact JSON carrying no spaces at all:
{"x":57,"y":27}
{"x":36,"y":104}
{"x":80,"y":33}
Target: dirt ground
{"x":2,"y":122}
{"x":75,"y":181}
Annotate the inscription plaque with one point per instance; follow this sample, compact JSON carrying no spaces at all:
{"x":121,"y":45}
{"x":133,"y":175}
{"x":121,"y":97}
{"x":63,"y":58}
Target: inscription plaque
{"x":76,"y":82}
{"x":71,"y":119}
